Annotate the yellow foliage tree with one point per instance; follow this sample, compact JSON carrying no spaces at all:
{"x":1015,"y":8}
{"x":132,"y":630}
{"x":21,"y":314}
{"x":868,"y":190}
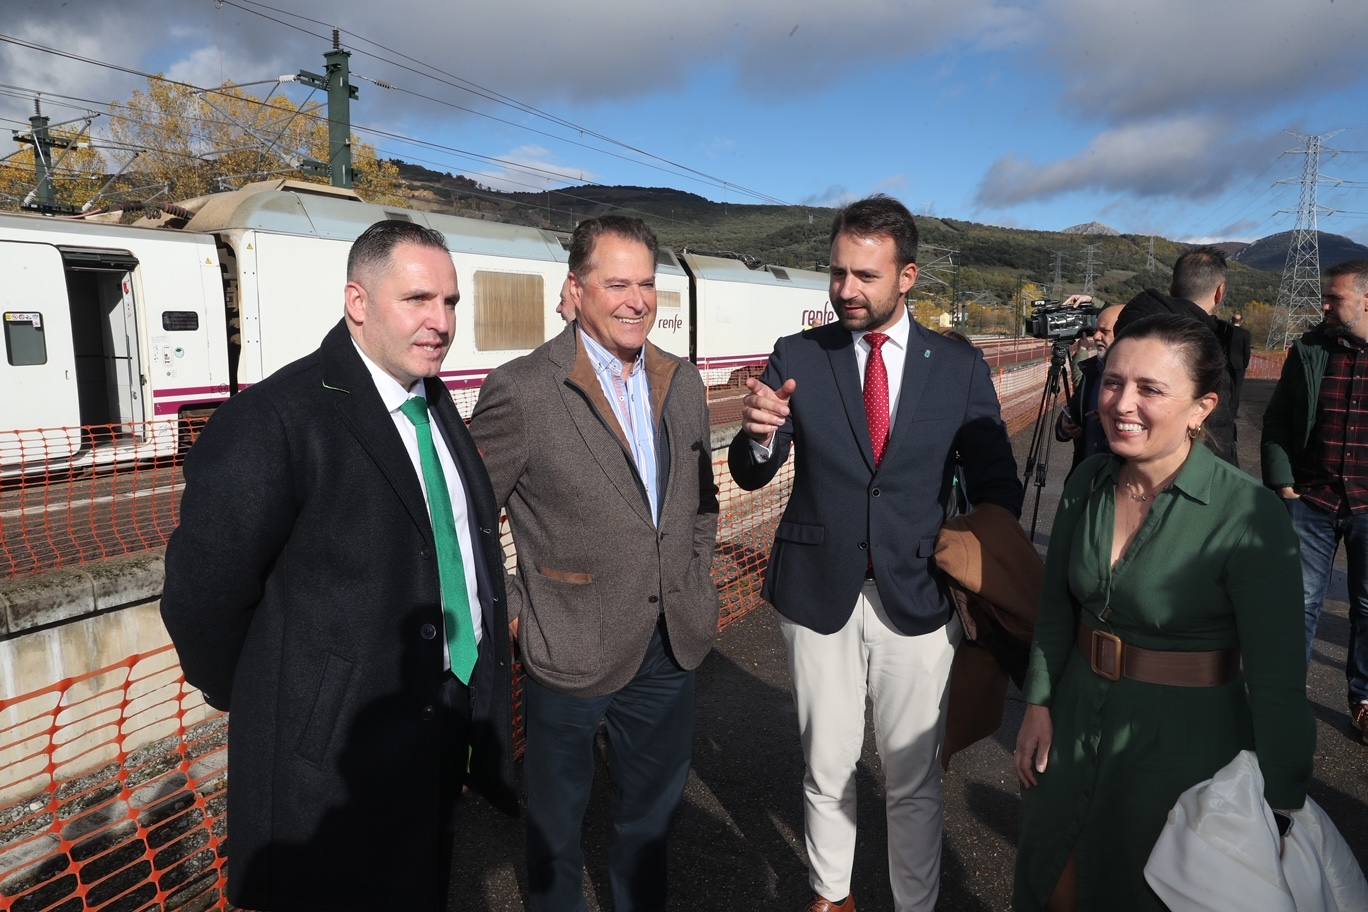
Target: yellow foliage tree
{"x":929,"y":313}
{"x":77,"y":175}
{"x":204,"y":142}
{"x":1259,"y":317}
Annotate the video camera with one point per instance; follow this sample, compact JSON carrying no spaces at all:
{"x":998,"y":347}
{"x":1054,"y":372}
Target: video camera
{"x":1053,"y":322}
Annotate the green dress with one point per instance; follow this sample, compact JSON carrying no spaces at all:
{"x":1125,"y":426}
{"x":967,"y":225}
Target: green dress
{"x":1214,"y":565}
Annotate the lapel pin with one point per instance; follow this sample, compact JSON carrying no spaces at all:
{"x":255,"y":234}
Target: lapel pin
{"x":927,"y":353}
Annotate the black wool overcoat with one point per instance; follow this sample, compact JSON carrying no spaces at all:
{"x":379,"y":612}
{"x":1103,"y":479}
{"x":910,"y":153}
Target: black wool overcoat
{"x":301,"y":592}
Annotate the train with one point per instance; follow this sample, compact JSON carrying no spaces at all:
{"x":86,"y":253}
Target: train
{"x":119,"y":338}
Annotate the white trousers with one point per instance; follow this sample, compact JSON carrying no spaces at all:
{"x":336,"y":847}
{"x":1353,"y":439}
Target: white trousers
{"x":905,"y":679}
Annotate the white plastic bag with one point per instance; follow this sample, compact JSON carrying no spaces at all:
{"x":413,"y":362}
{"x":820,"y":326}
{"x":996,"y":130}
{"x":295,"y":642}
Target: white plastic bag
{"x":1218,"y":852}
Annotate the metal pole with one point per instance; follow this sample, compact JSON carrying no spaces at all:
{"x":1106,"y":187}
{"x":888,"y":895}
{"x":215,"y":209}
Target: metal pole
{"x":340,"y":93}
{"x":45,"y":195}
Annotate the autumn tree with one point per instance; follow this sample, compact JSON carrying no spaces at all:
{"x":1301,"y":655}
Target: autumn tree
{"x":77,"y":173}
{"x":200,"y":142}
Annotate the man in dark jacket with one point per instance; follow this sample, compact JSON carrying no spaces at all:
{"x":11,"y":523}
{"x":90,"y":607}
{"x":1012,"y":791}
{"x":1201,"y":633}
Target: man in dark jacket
{"x":1241,"y":353}
{"x":336,"y":583}
{"x":1315,"y":435}
{"x":877,"y":410}
{"x":1220,"y":425}
{"x":1200,"y":282}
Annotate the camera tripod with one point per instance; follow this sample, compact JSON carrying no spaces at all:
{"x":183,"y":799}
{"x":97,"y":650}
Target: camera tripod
{"x":1057,"y":383}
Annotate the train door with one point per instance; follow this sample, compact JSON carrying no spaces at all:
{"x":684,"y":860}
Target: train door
{"x":38,"y":370}
{"x":104,"y":327}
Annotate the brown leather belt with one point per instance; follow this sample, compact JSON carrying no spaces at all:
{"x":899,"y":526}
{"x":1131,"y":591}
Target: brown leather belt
{"x":1113,"y":659}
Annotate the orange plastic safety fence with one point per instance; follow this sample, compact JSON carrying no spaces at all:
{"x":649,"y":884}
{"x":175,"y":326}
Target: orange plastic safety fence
{"x":73,"y":496}
{"x":112,"y":789}
{"x":1008,"y":354}
{"x":112,"y":784}
{"x":1266,"y":365}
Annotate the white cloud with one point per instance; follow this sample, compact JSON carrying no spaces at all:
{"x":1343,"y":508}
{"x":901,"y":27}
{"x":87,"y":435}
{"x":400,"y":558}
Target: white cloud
{"x":36,"y":70}
{"x":544,"y":50}
{"x":210,"y":66}
{"x":1120,"y":62}
{"x":1188,"y":157}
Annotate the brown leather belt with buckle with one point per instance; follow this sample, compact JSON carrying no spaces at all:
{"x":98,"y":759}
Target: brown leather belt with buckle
{"x":1111,"y":658}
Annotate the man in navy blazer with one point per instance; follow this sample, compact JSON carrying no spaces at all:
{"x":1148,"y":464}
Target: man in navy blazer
{"x":878,"y":410}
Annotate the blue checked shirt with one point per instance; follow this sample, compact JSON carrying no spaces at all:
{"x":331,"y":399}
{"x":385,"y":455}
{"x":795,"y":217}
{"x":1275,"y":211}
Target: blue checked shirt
{"x":631,"y":401}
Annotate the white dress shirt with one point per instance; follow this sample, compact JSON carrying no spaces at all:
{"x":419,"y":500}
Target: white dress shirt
{"x":894,"y":353}
{"x":393,"y":396}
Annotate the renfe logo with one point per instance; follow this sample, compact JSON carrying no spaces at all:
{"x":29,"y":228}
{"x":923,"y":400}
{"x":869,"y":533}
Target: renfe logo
{"x":818,"y":317}
{"x":673,"y":324}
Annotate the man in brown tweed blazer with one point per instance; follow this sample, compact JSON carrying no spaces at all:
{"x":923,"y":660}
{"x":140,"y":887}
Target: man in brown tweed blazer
{"x":598,"y":445}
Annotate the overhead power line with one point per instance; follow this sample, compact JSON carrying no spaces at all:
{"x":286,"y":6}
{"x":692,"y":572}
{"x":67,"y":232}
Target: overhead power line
{"x":114,"y":110}
{"x":375,"y":131}
{"x":453,"y":80}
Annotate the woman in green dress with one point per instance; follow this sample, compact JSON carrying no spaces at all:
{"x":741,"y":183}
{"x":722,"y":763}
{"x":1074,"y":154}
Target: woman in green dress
{"x":1169,"y":638}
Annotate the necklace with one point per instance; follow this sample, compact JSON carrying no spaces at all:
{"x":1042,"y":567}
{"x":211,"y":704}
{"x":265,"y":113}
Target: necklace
{"x":1137,"y":494}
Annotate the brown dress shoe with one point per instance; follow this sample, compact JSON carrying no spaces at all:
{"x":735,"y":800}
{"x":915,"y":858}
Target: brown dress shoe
{"x":820,"y":904}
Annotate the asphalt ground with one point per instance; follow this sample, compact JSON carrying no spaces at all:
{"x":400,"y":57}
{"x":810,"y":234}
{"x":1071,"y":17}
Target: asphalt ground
{"x":737,"y":841}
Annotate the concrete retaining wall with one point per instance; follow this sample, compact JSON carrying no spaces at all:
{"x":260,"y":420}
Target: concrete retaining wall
{"x":70,"y":622}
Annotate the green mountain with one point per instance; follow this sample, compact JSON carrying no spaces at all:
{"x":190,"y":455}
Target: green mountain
{"x":1270,"y":253}
{"x":991,"y":261}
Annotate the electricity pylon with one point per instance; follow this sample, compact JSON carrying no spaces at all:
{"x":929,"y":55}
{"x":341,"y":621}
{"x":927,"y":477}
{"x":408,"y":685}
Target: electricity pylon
{"x":1299,"y":294}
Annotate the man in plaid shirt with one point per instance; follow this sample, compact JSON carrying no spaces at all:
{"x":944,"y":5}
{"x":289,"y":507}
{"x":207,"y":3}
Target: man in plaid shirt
{"x":1315,"y":454}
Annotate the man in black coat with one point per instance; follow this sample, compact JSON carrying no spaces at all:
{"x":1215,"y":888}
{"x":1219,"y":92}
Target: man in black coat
{"x":358,"y":637}
{"x":1197,"y":290}
{"x":1241,"y":353}
{"x":879,"y":411}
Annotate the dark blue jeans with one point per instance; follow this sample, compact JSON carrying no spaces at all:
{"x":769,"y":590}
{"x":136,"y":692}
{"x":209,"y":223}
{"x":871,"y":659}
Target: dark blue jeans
{"x":1321,"y":533}
{"x":650,"y":742}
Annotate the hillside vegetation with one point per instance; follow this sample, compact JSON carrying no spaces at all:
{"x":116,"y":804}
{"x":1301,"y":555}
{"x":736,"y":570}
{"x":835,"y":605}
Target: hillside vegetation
{"x":995,"y":265}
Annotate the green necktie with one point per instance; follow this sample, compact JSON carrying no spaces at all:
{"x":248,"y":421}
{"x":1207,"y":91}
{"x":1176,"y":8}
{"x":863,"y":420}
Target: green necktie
{"x":460,"y":629}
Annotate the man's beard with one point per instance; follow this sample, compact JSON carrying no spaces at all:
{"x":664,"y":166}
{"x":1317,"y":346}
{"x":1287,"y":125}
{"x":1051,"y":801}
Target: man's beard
{"x":1344,"y":330}
{"x":876,"y":314}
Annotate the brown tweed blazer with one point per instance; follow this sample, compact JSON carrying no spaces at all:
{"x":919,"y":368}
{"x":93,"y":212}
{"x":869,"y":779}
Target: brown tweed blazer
{"x":594,"y":573}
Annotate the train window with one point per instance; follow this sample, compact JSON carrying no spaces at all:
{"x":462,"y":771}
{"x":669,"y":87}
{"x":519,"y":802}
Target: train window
{"x":509,"y":311}
{"x":180,"y":320}
{"x":669,"y":299}
{"x":24,"y":341}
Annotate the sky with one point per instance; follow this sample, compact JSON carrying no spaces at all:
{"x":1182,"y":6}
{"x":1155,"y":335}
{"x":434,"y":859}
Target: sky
{"x":1166,"y":117}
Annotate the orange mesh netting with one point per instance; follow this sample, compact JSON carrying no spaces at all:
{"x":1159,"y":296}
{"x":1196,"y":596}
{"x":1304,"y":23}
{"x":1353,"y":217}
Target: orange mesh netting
{"x":73,"y":496}
{"x":112,"y":792}
{"x":112,"y":783}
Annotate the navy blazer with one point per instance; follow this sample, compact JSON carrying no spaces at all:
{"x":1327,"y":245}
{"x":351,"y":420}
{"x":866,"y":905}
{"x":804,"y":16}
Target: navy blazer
{"x":842,"y":511}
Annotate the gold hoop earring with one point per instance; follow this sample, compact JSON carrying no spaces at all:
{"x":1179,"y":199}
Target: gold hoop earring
{"x":1194,"y":432}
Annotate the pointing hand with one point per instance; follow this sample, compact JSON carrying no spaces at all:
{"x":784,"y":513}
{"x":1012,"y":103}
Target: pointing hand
{"x":763,"y":410}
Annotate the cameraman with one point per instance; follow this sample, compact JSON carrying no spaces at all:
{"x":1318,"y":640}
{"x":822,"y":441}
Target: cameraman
{"x":1078,"y":420}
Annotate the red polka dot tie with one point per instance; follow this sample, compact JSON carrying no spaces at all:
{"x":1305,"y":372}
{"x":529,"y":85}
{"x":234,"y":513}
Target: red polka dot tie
{"x":876,"y":395}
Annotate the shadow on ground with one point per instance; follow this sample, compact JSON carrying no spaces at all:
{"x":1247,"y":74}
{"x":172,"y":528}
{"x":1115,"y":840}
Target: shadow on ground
{"x":738,"y":839}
